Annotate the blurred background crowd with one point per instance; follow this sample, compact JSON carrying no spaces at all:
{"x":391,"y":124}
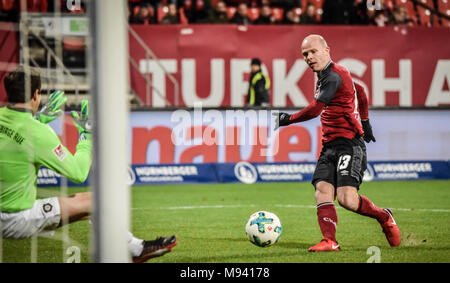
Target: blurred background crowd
{"x":269,"y":12}
{"x":265,"y":12}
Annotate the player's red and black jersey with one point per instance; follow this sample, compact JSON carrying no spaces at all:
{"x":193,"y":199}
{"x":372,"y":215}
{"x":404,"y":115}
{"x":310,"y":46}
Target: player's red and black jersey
{"x":340,"y":116}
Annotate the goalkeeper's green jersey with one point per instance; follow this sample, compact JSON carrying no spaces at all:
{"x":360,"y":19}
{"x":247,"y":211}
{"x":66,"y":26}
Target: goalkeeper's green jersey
{"x":27,"y":144}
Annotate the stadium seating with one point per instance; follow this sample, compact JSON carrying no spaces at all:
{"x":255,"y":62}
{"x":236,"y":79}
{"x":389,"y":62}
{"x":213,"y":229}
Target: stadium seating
{"x":183,"y":18}
{"x":231,"y":10}
{"x":34,"y":6}
{"x":426,"y":18}
{"x":298,"y":11}
{"x":37,"y":5}
{"x":443,"y":6}
{"x":151,"y":11}
{"x":389,"y":4}
{"x":187,"y":5}
{"x":73,"y":43}
{"x":253,"y":13}
{"x":163,"y":10}
{"x":6,"y":5}
{"x":410,"y":7}
{"x":319,"y":5}
{"x":213,"y":2}
{"x":278,"y":13}
{"x":408,"y":4}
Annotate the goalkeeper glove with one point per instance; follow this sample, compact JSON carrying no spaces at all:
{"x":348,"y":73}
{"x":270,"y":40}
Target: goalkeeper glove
{"x":368,"y":134}
{"x":81,"y":120}
{"x":282,"y":119}
{"x":51,"y":110}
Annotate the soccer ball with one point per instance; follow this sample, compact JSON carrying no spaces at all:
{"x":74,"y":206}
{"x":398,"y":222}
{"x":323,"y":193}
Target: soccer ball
{"x":263,"y":228}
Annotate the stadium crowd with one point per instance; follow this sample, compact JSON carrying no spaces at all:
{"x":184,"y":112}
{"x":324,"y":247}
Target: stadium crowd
{"x":264,"y":12}
{"x":268,"y":12}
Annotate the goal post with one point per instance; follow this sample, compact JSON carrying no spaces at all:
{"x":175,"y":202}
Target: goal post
{"x":109,"y":85}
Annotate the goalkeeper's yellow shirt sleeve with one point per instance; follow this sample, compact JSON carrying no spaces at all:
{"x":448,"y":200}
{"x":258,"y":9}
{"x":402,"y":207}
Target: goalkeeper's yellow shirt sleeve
{"x":51,"y":153}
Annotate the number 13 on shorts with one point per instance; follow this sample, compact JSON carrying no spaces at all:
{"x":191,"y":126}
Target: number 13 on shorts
{"x":344,"y":161}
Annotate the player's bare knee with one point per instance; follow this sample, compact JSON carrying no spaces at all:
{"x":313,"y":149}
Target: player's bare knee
{"x":324,"y":192}
{"x":343,"y":200}
{"x":84,"y":201}
{"x":347,"y":198}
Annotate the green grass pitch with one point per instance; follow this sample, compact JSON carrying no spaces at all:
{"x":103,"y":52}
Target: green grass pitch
{"x":209,"y":221}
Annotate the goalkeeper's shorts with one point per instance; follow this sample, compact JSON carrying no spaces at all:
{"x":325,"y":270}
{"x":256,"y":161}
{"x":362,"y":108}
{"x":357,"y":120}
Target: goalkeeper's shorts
{"x":40,"y":220}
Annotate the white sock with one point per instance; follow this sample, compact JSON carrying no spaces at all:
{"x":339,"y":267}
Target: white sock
{"x":135,"y":245}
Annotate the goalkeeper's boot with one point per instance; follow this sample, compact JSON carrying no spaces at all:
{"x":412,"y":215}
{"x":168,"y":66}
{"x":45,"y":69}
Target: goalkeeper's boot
{"x":156,"y":248}
{"x":390,"y":229}
{"x":326,"y":245}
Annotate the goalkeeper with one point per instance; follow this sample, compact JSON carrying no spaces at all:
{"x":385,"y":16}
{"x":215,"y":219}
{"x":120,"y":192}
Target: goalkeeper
{"x":26,"y":144}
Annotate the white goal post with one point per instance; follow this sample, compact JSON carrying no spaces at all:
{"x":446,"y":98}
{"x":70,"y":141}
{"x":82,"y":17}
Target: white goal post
{"x":109,"y":65}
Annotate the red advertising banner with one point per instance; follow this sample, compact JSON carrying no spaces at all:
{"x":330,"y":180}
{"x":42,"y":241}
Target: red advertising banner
{"x":399,"y":66}
{"x":9,"y":54}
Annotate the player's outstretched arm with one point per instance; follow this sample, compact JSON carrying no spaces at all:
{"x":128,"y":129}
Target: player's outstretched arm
{"x":55,"y":156}
{"x":51,"y":153}
{"x":311,"y":111}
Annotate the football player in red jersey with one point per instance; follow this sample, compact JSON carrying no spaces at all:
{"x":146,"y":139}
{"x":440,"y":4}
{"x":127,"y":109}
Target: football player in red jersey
{"x":343,"y":107}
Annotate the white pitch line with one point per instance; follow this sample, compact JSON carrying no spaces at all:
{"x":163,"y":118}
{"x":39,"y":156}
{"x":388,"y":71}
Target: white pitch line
{"x":399,"y":209}
{"x":281,"y":205}
{"x":206,"y":206}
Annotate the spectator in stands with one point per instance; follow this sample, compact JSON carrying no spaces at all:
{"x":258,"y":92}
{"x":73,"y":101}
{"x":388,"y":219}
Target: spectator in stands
{"x":153,"y":3}
{"x":219,"y":14}
{"x":401,"y":17}
{"x":265,"y":17}
{"x":338,"y":12}
{"x":172,"y":16}
{"x":291,"y":18}
{"x":308,"y":17}
{"x":197,"y":11}
{"x":361,"y":15}
{"x":241,"y":16}
{"x":259,"y":86}
{"x":285,"y":4}
{"x":236,"y":2}
{"x":371,"y":16}
{"x":380,"y":19}
{"x":143,"y":16}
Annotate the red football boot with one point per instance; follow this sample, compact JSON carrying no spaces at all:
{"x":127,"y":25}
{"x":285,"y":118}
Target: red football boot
{"x":390,"y":229}
{"x":326,"y":245}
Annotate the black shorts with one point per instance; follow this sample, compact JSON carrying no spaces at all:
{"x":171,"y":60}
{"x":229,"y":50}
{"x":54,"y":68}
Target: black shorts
{"x":342,"y":162}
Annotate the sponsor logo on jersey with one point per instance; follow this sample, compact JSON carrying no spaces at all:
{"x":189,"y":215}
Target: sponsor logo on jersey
{"x":59,"y":152}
